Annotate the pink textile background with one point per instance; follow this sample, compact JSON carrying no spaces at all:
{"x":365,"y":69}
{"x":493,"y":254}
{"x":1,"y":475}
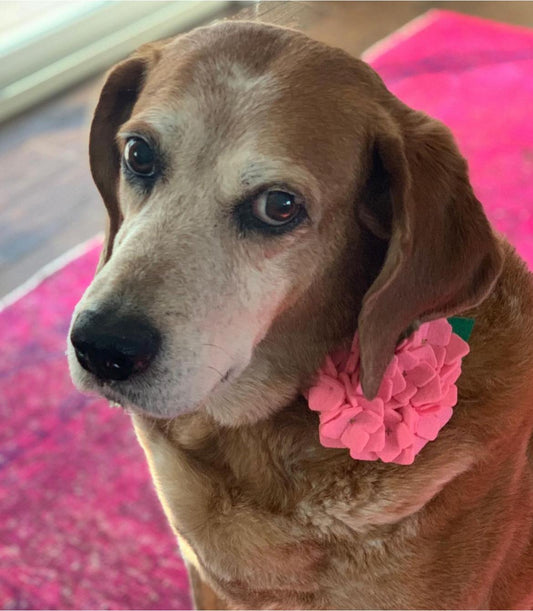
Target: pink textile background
{"x":476,"y":76}
{"x":80,"y":526}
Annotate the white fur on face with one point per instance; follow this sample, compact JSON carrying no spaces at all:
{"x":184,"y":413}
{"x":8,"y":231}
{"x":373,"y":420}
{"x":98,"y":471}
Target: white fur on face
{"x":179,"y":259}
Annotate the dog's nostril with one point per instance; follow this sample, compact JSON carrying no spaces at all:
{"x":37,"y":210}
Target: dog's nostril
{"x":110,"y":364}
{"x":112,"y":347}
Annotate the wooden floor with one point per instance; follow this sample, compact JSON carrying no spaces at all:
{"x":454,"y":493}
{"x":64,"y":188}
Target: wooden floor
{"x":48,"y":203}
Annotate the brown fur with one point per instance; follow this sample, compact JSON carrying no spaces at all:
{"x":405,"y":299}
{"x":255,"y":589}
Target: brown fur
{"x":267,"y":517}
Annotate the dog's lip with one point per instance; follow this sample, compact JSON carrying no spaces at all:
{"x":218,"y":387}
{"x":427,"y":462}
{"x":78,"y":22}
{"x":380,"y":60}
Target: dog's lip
{"x":116,"y":399}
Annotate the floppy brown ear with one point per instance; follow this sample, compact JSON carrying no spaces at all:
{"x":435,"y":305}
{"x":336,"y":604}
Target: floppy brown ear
{"x":442,"y":255}
{"x":119,"y":94}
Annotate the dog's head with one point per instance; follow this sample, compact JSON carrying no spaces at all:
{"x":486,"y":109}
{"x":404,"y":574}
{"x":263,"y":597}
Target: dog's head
{"x":266,"y":195}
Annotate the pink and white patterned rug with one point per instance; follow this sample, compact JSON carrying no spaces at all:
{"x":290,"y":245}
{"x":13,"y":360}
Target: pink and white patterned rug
{"x":80,"y":526}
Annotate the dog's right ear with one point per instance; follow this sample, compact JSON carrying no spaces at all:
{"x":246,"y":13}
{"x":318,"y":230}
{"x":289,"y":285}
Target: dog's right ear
{"x":119,"y":94}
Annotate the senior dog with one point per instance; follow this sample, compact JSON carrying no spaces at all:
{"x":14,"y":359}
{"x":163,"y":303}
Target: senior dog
{"x":267,"y":196}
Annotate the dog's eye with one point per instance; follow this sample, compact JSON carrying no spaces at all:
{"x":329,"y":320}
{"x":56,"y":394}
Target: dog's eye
{"x":139,"y":157}
{"x":270,"y":212}
{"x":275,"y":208}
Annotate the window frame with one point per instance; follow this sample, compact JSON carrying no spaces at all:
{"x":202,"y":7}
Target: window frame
{"x":88,"y":41}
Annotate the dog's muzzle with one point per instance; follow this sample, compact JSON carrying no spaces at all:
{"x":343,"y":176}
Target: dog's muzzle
{"x":114,"y":347}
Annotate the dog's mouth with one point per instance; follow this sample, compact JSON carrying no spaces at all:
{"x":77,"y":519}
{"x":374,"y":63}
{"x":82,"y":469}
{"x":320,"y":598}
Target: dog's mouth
{"x":121,"y":398}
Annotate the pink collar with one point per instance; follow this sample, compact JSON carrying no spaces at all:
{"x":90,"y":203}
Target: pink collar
{"x":414,"y":401}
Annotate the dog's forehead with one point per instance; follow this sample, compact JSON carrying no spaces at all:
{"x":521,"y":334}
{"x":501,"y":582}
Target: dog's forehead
{"x":223,"y":95}
{"x":267,"y":90}
{"x":215,"y":68}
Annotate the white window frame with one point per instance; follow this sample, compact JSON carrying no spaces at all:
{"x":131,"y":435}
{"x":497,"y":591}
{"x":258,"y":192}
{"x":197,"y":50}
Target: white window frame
{"x":87,"y":40}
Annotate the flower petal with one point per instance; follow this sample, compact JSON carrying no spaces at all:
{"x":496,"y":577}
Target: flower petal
{"x":330,"y":443}
{"x":404,"y":436}
{"x":429,"y":425}
{"x":450,"y":398}
{"x":407,"y":360}
{"x":364,"y":455}
{"x":428,"y":408}
{"x":355,"y":438}
{"x":376,"y":405}
{"x":352,"y":394}
{"x":328,"y":393}
{"x":352,"y":363}
{"x":410,"y":416}
{"x":422,"y":331}
{"x":399,"y":383}
{"x":405,"y":396}
{"x":376,"y":442}
{"x":344,"y":378}
{"x":425,"y":353}
{"x":430,"y":393}
{"x":385,"y":390}
{"x":456,"y":349}
{"x":334,"y":427}
{"x":421,"y":374}
{"x":406,"y":456}
{"x":391,"y":449}
{"x":440,"y":355}
{"x":450,"y":373}
{"x":368,"y":420}
{"x":439,"y":332}
{"x":330,"y":414}
{"x":418,"y":444}
{"x":391,"y":417}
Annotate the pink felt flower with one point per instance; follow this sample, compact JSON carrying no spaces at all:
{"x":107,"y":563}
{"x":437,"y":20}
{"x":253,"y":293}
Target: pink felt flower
{"x":414,"y":401}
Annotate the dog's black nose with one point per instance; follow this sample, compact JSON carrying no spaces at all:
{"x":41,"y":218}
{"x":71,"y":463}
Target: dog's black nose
{"x":114,"y":347}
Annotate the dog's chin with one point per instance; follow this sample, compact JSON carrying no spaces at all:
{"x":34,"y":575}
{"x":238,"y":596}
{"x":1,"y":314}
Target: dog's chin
{"x":153,"y":411}
{"x":161,"y":410}
{"x":156,"y":404}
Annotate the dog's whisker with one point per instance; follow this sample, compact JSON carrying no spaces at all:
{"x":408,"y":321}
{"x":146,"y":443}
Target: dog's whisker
{"x":222,"y":376}
{"x":219,"y":347}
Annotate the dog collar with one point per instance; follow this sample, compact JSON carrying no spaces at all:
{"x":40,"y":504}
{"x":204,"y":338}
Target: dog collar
{"x":414,"y":401}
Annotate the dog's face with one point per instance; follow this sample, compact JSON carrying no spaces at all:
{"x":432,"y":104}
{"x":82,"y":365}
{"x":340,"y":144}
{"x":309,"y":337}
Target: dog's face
{"x":241,"y":165}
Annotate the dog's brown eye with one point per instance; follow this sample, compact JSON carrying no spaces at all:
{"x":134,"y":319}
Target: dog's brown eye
{"x":139,"y":157}
{"x":275,"y":207}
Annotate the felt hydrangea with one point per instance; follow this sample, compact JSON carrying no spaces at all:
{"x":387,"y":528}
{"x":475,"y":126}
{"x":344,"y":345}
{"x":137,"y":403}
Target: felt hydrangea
{"x":414,"y":401}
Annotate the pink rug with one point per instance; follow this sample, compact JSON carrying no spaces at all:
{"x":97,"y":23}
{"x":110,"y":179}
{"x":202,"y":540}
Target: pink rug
{"x":80,"y":524}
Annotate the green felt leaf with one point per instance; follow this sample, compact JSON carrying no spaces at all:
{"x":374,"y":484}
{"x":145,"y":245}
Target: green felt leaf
{"x":462,"y":326}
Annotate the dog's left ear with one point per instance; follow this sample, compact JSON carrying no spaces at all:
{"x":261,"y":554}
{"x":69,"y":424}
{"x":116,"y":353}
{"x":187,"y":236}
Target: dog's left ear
{"x":119,"y":94}
{"x":442,"y":256}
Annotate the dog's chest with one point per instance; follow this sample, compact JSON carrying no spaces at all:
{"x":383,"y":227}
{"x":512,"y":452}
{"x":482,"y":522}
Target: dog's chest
{"x":235,"y":526}
{"x":265,"y":534}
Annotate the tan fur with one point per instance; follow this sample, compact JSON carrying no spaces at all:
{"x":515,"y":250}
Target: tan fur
{"x":266,"y":516}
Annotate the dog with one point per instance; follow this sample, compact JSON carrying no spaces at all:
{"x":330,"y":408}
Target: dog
{"x":268,"y":196}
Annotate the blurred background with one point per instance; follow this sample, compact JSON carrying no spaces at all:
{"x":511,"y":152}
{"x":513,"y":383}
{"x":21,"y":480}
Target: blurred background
{"x":53,"y":55}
